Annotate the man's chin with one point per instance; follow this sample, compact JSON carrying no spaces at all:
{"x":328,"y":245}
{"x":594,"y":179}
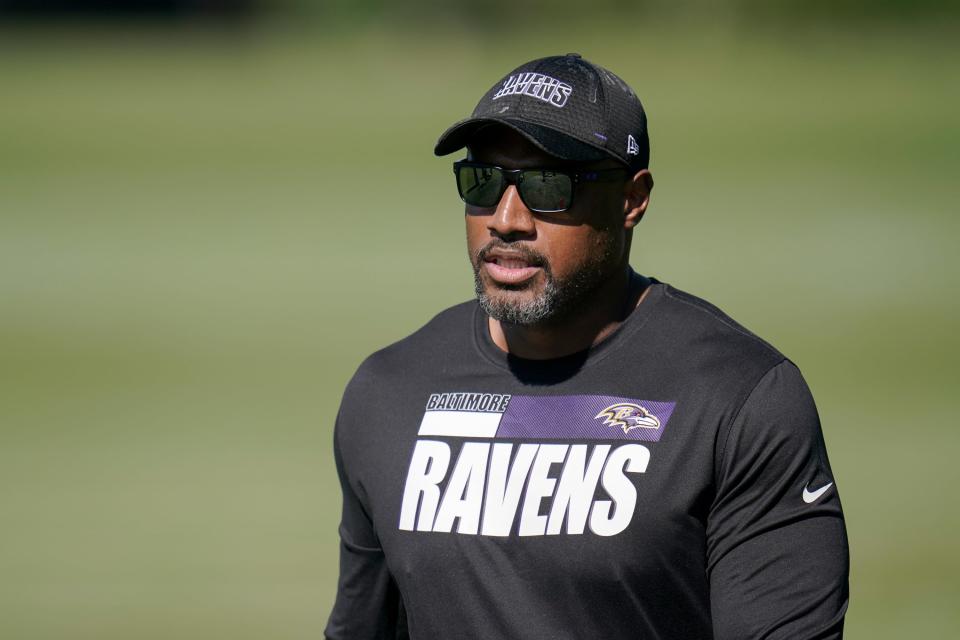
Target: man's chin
{"x":519,"y":299}
{"x":521,"y":306}
{"x":527,"y":303}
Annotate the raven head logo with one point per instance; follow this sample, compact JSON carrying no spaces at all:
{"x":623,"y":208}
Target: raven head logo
{"x":627,"y":416}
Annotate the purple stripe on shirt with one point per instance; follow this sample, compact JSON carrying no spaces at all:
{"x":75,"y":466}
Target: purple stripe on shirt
{"x":573,"y":417}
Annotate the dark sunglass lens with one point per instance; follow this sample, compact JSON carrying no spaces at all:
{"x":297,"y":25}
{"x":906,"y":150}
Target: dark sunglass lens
{"x":546,"y":191}
{"x":480,"y":186}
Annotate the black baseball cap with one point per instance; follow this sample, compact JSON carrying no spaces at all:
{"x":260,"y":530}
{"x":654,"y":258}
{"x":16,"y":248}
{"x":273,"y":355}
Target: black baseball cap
{"x":567,"y":106}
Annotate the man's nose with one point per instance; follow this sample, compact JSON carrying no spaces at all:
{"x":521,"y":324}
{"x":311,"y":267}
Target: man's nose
{"x":511,"y":218}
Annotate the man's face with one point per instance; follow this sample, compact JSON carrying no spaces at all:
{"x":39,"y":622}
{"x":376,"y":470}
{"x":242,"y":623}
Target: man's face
{"x":534,"y":269}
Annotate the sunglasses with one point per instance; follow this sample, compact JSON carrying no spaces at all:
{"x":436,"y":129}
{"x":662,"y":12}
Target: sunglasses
{"x":540,"y":190}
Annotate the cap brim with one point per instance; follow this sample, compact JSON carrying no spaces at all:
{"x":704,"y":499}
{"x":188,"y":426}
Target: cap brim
{"x":554,"y":142}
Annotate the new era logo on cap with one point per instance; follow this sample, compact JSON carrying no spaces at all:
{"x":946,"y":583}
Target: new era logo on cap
{"x":632,"y":147}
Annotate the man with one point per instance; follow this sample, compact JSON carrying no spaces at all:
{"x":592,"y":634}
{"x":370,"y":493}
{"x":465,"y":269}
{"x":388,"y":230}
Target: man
{"x":582,"y":452}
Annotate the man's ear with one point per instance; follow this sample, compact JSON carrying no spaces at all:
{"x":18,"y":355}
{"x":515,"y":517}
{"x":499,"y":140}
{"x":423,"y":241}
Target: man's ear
{"x":636,"y":197}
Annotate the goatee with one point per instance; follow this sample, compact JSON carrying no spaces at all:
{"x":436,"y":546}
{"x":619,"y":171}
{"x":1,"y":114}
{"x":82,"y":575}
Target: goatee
{"x":559,"y":298}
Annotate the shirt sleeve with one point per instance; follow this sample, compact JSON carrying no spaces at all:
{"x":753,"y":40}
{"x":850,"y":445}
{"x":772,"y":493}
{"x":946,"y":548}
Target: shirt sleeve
{"x":777,"y":555}
{"x":368,"y":605}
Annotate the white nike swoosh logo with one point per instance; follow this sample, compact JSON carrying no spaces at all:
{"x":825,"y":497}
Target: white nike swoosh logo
{"x":810,"y":496}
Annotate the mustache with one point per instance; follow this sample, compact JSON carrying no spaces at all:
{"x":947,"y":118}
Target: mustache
{"x":532,"y":257}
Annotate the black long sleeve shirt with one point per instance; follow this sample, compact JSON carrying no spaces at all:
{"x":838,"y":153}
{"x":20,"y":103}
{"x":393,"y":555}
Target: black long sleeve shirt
{"x":669,"y":482}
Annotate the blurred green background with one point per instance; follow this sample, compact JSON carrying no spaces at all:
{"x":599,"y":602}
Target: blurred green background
{"x":206,"y":224}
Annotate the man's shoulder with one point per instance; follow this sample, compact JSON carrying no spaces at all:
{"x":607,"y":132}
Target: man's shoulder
{"x":690,"y":322}
{"x":445,"y":335}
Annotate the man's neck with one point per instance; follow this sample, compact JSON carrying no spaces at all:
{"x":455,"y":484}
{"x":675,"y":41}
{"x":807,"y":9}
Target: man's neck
{"x":599,"y":316}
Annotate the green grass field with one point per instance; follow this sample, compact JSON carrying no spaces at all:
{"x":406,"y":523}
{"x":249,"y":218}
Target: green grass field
{"x":202,"y":235}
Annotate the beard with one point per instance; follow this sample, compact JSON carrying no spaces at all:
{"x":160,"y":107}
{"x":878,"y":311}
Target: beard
{"x":559,"y":299}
